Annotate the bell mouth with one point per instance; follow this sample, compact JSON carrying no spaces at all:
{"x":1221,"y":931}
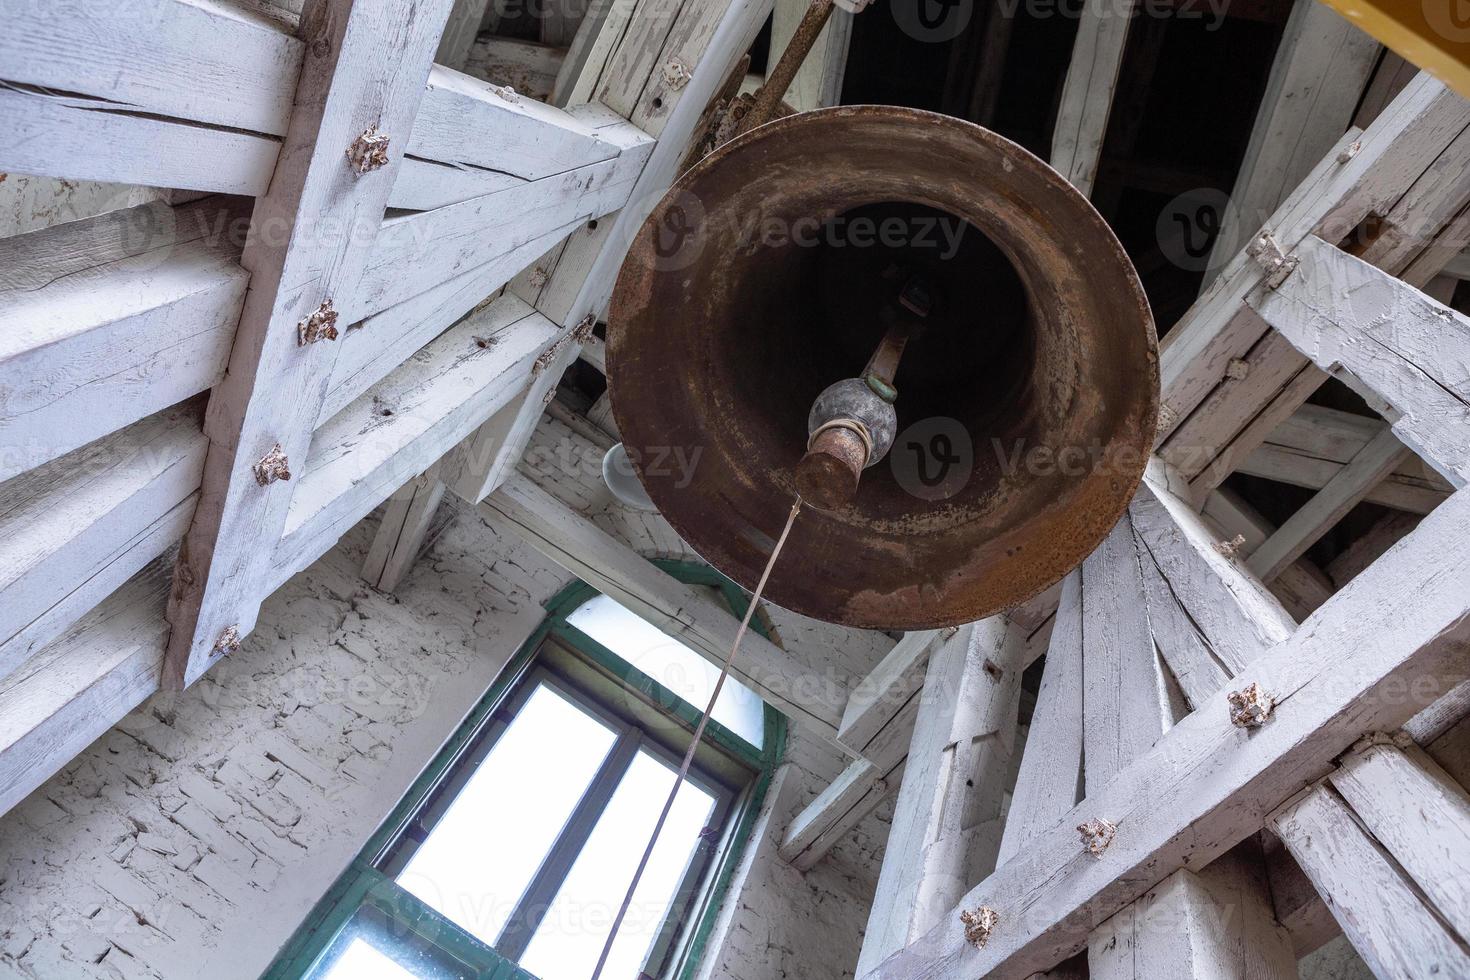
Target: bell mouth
{"x":1027,"y":394}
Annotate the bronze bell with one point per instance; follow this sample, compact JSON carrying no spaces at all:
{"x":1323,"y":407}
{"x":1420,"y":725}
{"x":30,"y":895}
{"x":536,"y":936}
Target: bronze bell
{"x":841,"y":281}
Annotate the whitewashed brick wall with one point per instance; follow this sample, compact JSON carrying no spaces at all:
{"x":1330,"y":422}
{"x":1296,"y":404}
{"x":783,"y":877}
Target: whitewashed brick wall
{"x":192,"y":838}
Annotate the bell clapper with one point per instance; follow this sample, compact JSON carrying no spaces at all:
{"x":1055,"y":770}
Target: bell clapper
{"x":852,"y":423}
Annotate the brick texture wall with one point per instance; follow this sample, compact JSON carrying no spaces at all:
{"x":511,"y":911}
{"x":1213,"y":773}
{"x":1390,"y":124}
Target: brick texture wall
{"x":192,"y":838}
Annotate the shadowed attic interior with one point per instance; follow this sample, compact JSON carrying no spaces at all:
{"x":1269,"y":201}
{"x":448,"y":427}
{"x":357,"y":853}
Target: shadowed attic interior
{"x":412,"y":711}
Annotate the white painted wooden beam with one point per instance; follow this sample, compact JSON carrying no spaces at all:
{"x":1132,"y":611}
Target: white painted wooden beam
{"x":1420,"y":190}
{"x":1298,"y":906}
{"x":634,"y":84}
{"x":1050,"y":779}
{"x":1364,"y":172}
{"x":1124,"y":705}
{"x":1207,"y":785}
{"x":403,"y":532}
{"x":1186,"y":651}
{"x":1087,"y":94}
{"x":588,"y":552}
{"x":108,"y":320}
{"x":1419,"y":814}
{"x":401,"y":426}
{"x":1315,"y":443}
{"x":1177,"y":928}
{"x":365,"y":70}
{"x":111,"y":319}
{"x":1385,"y":918}
{"x":881,"y":695}
{"x":1320,"y":69}
{"x":460,"y":32}
{"x":1238,"y":617}
{"x":73,"y":531}
{"x":1409,"y":355}
{"x":206,"y":102}
{"x":854,"y":794}
{"x":1317,"y":516}
{"x":868,"y":781}
{"x":73,"y":690}
{"x":947,"y":819}
{"x":195,"y":60}
{"x":1217,"y":922}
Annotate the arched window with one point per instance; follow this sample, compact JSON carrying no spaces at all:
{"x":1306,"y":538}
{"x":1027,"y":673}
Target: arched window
{"x":511,"y":853}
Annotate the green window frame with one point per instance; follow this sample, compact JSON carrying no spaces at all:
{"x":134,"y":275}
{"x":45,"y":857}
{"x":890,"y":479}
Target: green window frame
{"x":735,"y":772}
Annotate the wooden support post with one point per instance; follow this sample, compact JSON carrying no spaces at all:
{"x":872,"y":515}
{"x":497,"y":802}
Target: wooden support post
{"x":363,"y":76}
{"x":1207,"y":784}
{"x":1125,"y":707}
{"x":1087,"y":94}
{"x":401,"y":536}
{"x":1217,"y":923}
{"x":1178,"y":928}
{"x":946,"y":825}
{"x":1049,"y":783}
{"x":460,"y":33}
{"x":1384,"y":916}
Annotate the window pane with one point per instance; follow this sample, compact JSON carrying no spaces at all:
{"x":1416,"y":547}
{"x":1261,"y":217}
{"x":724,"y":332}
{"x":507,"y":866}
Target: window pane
{"x":481,"y":856}
{"x":365,"y":949}
{"x":672,"y":664}
{"x":569,"y":940}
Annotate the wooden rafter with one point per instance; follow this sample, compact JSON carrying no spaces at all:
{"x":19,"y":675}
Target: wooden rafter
{"x":363,"y":73}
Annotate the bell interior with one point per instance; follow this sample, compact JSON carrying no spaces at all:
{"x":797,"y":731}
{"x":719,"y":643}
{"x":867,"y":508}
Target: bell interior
{"x":1037,"y":338}
{"x":826,"y":294}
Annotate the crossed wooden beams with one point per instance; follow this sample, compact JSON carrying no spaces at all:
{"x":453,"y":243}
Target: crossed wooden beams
{"x":1183,"y":767}
{"x":346,"y":348}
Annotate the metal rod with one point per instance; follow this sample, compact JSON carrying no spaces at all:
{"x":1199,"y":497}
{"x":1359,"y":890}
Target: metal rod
{"x":778,"y":80}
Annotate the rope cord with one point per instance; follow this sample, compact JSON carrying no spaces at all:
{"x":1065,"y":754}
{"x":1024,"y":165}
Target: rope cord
{"x":694,"y":742}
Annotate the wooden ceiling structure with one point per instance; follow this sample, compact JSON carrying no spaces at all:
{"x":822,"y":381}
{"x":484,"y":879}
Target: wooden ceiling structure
{"x":375,"y":270}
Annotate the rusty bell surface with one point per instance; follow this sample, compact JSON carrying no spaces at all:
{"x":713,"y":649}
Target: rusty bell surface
{"x":1026,"y":396}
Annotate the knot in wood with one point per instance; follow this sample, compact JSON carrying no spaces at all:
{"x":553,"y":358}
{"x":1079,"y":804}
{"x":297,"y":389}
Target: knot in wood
{"x":1231,"y":548}
{"x":229,"y":640}
{"x":368,"y":152}
{"x":979,"y":924}
{"x":273,"y":466}
{"x":677,"y":73}
{"x":1097,"y":834}
{"x":321,"y":325}
{"x":1251,"y":707}
{"x":1238,"y":369}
